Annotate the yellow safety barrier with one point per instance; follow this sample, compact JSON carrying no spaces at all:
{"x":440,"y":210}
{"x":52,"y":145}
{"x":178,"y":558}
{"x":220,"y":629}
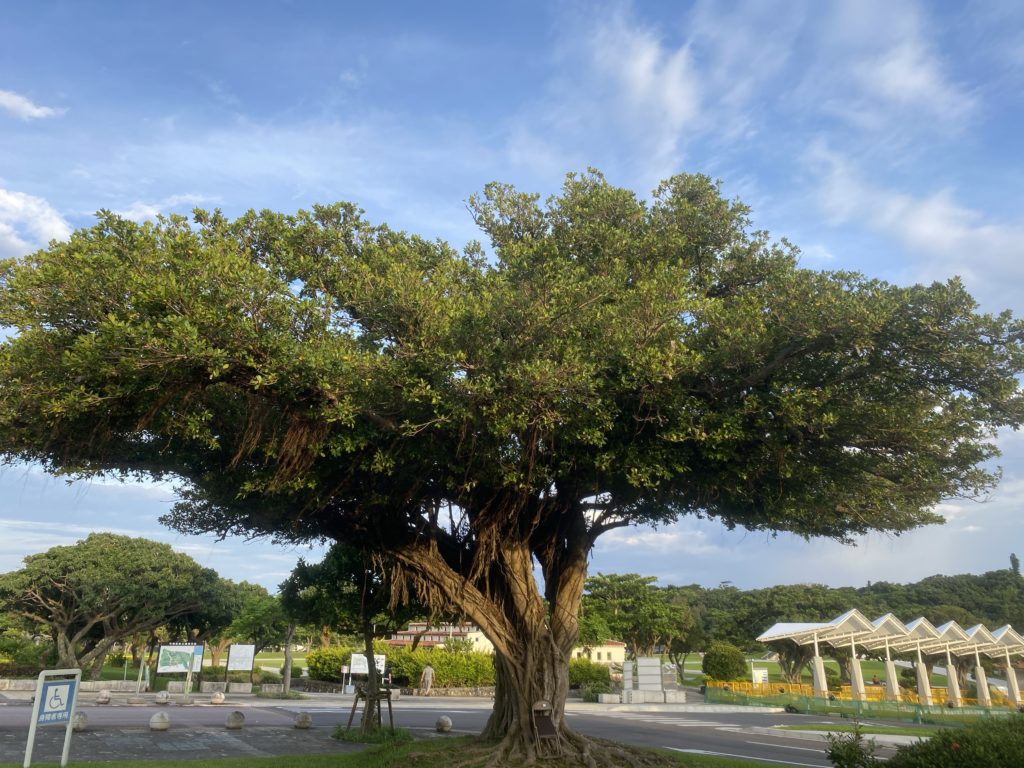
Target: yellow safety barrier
{"x":872,"y":693}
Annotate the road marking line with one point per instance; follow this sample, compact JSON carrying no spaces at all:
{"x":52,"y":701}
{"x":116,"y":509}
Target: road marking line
{"x":819,"y":751}
{"x":746,"y":757}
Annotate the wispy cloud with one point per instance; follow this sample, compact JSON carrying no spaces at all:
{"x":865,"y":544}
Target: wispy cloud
{"x":27,"y":222}
{"x":909,"y":76}
{"x":142,"y":211}
{"x":618,"y":88}
{"x":879,"y":67}
{"x":945,"y":237}
{"x":24,"y":108}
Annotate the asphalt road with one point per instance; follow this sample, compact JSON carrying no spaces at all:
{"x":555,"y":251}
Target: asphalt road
{"x":703,"y":732}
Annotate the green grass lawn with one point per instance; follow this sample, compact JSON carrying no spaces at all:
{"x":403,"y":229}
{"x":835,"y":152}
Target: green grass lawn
{"x":436,"y":753}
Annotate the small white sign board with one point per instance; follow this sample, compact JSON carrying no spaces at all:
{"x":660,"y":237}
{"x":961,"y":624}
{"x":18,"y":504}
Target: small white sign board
{"x":55,"y":705}
{"x":358,"y":664}
{"x":759,"y":675}
{"x":241,"y":657}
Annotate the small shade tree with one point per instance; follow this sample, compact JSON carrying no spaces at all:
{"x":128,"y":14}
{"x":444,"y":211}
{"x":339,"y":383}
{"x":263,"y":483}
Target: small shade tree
{"x":104,"y":590}
{"x":349,"y":592}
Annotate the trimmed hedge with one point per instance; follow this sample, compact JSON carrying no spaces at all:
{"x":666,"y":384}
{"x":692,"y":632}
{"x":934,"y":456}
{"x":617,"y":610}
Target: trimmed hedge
{"x":326,"y":663}
{"x":452,"y":669}
{"x":724,"y":661}
{"x":584,"y":673}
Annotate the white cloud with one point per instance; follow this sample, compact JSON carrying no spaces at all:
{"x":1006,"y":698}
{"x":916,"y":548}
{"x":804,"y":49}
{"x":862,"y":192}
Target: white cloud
{"x":878,"y":67}
{"x":142,"y":211}
{"x":815,"y":254}
{"x":28,"y":222}
{"x":945,"y":237}
{"x":24,"y":108}
{"x":618,"y":90}
{"x":909,"y":76}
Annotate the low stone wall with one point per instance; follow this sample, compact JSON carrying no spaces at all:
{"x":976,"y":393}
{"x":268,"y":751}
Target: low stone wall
{"x":21,"y":684}
{"x":479,"y":691}
{"x":122,"y":686}
{"x":11,"y":684}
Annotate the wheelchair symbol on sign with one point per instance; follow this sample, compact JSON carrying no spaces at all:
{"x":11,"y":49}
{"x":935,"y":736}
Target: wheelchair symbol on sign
{"x":56,"y":702}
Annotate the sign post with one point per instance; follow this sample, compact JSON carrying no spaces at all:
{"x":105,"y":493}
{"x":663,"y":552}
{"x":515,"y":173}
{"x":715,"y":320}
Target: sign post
{"x":55,"y":703}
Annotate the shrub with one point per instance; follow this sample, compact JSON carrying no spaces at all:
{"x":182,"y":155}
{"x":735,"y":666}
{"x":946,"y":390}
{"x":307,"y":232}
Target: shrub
{"x":987,"y":742}
{"x":851,"y":750}
{"x":584,"y":672}
{"x":19,"y":651}
{"x":590,"y":691}
{"x":326,"y":663}
{"x":724,"y":661}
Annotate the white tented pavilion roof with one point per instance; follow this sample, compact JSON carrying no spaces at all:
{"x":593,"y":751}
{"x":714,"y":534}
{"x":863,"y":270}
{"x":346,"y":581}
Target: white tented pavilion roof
{"x":889,"y":632}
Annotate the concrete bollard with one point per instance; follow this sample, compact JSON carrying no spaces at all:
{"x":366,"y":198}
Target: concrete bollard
{"x":235,"y":721}
{"x":303,"y":721}
{"x":103,"y":697}
{"x":79,"y":722}
{"x":161,"y":721}
{"x":163,"y":697}
{"x":443,"y":724}
{"x":217,"y":697}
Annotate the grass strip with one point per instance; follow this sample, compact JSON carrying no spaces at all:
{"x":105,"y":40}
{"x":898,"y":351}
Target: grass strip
{"x":454,"y":752}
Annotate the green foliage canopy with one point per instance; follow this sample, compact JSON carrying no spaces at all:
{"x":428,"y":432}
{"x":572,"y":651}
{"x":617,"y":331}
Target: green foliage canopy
{"x":611,"y":361}
{"x":105,"y":589}
{"x":636,"y":611}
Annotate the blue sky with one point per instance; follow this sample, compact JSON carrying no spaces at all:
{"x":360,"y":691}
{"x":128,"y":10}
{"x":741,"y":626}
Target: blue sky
{"x":882,"y":137}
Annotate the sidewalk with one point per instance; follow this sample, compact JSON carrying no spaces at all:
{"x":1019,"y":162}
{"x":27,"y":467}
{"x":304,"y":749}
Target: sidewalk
{"x":106,"y":742}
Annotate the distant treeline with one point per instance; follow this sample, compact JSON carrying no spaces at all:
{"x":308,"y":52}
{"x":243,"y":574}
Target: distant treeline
{"x":738,"y":616}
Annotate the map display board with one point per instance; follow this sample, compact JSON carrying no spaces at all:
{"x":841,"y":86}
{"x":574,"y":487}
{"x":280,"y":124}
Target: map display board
{"x":175,"y":657}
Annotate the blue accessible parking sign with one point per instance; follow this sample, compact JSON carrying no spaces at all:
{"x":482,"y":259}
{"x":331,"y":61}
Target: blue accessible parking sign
{"x":55,"y":702}
{"x":54,"y":705}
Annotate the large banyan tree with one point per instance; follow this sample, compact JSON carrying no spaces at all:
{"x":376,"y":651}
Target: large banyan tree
{"x":483,"y":416}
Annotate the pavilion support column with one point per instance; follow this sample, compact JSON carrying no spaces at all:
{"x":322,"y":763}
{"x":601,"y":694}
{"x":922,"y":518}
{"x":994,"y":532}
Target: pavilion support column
{"x":952,"y":683}
{"x":856,"y":674}
{"x":924,"y":685}
{"x":1011,"y":682}
{"x":892,"y":681}
{"x":981,"y":682}
{"x":818,"y":673}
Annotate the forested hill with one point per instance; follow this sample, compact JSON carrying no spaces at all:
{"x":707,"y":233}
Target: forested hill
{"x":727,"y":613}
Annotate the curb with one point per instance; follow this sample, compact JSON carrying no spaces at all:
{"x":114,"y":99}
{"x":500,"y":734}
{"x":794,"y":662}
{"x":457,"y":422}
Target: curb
{"x":879,"y":738}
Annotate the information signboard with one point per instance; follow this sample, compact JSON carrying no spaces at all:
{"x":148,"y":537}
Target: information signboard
{"x":241,"y":657}
{"x":358,"y":664}
{"x":175,"y":657}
